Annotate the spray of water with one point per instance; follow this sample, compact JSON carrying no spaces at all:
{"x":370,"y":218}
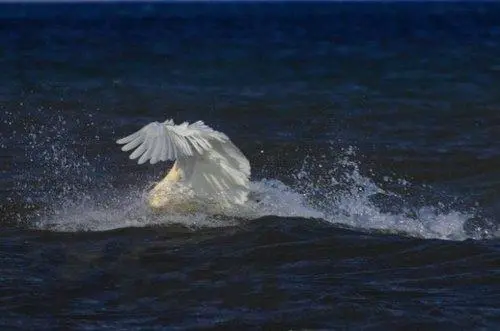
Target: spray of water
{"x":346,"y":196}
{"x":73,"y":194}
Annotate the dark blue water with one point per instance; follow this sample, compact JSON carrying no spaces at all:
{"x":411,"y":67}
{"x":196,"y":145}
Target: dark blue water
{"x":373,"y":134}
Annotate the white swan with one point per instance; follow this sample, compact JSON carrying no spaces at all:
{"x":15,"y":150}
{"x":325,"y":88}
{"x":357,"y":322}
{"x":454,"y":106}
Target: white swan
{"x":207,"y":164}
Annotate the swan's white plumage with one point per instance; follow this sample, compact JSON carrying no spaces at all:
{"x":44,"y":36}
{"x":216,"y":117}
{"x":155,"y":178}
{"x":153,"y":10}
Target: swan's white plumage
{"x":206,"y":160}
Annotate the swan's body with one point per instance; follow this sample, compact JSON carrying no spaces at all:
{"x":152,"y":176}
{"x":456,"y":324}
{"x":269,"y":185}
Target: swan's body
{"x":207,"y":164}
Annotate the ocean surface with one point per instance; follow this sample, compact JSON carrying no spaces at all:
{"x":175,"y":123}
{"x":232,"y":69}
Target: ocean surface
{"x":372,"y":129}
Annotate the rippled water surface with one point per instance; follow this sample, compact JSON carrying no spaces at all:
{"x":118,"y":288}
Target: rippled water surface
{"x":373,"y":134}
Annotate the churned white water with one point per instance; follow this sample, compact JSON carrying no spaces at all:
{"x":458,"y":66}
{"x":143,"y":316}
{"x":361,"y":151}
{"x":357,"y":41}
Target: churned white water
{"x":74,"y":194}
{"x":352,"y":205}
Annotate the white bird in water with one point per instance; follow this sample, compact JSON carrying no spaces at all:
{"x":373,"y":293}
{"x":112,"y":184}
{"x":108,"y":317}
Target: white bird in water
{"x":206,"y":162}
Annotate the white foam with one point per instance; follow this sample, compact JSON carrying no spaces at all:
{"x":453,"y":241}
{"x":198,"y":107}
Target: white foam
{"x":120,"y":209}
{"x":348,"y":200}
{"x":116,"y":210}
{"x":329,"y":187}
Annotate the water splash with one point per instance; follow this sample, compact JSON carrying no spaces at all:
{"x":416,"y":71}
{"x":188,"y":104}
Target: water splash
{"x":344,"y":195}
{"x":351,"y":199}
{"x":75,"y":194}
{"x":116,"y":210}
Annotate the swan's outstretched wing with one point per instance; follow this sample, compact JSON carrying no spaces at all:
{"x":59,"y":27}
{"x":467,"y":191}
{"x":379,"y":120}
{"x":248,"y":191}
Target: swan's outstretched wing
{"x":209,"y":162}
{"x":221,"y":174}
{"x":167,"y":141}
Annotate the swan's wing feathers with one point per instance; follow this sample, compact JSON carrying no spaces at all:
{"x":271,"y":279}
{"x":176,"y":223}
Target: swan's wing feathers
{"x":167,"y":141}
{"x":222,"y":173}
{"x":209,"y":162}
{"x":197,"y":136}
